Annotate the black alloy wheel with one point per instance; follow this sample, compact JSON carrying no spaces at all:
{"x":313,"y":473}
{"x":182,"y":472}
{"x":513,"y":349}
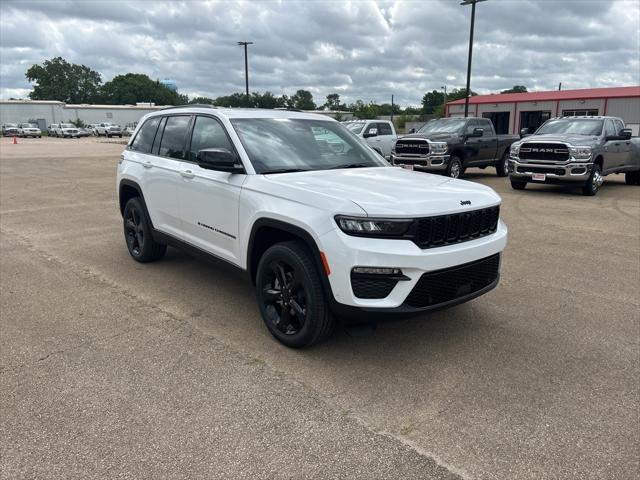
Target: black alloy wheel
{"x":137,"y":233}
{"x":291,"y":297}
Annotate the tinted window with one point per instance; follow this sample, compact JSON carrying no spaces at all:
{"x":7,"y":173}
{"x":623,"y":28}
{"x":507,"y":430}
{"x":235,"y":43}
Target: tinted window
{"x":384,"y":129}
{"x":156,"y":142}
{"x":208,"y":133}
{"x":173,"y":135}
{"x":144,"y":138}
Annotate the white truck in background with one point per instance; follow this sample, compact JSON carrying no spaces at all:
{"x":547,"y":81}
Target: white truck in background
{"x":379,"y":134}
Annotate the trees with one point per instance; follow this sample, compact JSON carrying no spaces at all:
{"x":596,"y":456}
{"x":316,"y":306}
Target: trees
{"x":433,"y":102}
{"x":333,"y":102}
{"x":132,"y":88}
{"x":57,"y":79}
{"x":516,"y":89}
{"x":303,"y":100}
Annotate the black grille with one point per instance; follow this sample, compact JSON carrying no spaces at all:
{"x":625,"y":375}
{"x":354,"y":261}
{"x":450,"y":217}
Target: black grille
{"x":455,"y":228}
{"x":412,"y":147}
{"x":537,"y":169}
{"x":365,"y":286}
{"x":544,"y":151}
{"x":446,"y":285}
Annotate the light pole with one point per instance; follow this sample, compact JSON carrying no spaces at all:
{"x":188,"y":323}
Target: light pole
{"x":473,"y":20}
{"x":444,"y":104}
{"x":246,"y":68}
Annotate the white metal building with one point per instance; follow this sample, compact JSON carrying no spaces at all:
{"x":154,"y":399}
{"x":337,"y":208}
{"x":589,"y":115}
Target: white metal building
{"x":511,"y":112}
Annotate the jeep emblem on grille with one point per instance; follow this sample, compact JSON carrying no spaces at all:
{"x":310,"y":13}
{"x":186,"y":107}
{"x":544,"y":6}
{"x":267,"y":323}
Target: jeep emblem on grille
{"x":465,"y":202}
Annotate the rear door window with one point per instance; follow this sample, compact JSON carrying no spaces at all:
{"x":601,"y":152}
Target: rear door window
{"x":174,"y":136}
{"x":384,"y":129}
{"x":144,"y":139}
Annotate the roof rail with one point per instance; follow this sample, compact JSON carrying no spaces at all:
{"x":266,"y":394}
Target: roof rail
{"x":191,"y":105}
{"x":288,"y":109}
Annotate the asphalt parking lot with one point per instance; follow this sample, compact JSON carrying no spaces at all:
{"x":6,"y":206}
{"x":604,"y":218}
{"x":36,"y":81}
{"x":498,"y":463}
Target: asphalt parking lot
{"x":112,"y":369}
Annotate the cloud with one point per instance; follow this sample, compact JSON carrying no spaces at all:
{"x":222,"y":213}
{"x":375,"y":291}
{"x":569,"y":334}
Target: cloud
{"x":361,"y":49}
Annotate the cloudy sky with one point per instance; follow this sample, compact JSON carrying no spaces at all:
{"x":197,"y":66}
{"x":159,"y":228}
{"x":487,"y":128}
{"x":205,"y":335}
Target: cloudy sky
{"x":360,"y":49}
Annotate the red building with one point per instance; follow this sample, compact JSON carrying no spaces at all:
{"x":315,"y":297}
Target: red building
{"x":511,"y":112}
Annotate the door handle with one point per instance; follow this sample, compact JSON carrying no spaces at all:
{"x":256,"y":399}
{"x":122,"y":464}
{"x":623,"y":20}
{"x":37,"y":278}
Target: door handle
{"x":187,"y":174}
{"x":147,"y":164}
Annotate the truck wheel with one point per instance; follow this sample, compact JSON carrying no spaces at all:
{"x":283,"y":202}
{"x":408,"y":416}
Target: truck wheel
{"x":518,"y":184}
{"x":502,"y":167}
{"x":632,"y":178}
{"x":290,"y":296}
{"x":595,"y":181}
{"x":137,"y":233}
{"x":454,"y":169}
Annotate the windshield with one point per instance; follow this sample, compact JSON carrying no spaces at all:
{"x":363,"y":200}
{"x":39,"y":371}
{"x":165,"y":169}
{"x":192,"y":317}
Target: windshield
{"x":355,"y":127}
{"x":28,"y":125}
{"x":577,"y":127}
{"x":67,"y":125}
{"x":10,"y":125}
{"x":444,"y":125}
{"x":284,"y":144}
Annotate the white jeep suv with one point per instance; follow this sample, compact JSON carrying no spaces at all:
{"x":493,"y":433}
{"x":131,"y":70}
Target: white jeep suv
{"x":320,"y":230}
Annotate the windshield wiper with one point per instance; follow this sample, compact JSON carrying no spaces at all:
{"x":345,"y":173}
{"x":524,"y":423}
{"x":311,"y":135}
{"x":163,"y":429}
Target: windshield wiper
{"x":351,"y":165}
{"x":285,"y":170}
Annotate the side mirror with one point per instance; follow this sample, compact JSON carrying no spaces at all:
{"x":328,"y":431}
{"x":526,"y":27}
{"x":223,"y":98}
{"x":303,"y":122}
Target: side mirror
{"x":372,"y":132}
{"x":625,"y":133}
{"x":413,"y":130}
{"x":477,"y":132}
{"x":524,"y":132}
{"x":219,"y":159}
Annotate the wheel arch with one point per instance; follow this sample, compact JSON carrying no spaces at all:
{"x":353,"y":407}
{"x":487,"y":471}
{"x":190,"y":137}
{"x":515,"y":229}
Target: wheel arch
{"x":129,"y":189}
{"x":266,"y":232}
{"x":599,"y":161}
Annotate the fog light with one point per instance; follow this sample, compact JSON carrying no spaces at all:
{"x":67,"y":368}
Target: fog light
{"x":377,"y":270}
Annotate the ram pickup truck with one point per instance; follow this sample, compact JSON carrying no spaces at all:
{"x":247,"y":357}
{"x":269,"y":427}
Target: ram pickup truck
{"x":379,"y":134}
{"x":451,"y":145}
{"x":576,"y":151}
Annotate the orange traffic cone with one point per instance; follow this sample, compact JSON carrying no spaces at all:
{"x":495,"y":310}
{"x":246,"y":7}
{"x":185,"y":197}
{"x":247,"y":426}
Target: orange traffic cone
{"x":15,"y":140}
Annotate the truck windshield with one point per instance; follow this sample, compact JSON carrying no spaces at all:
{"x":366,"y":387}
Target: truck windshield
{"x":444,"y":125}
{"x":572,"y":126}
{"x":277,"y":145}
{"x":355,"y":127}
{"x":67,"y":125}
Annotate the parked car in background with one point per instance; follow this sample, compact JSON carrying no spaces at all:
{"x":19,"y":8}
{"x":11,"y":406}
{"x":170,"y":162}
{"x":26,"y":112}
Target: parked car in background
{"x":51,"y":129}
{"x":578,"y":151}
{"x":66,"y":130}
{"x":108,"y":130}
{"x":9,"y":129}
{"x":29,"y":130}
{"x":85,"y":132}
{"x":379,"y":134}
{"x":93,"y":128}
{"x":128,"y":130}
{"x":451,"y":145}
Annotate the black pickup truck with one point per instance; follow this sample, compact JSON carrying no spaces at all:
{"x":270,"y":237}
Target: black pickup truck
{"x":451,"y":145}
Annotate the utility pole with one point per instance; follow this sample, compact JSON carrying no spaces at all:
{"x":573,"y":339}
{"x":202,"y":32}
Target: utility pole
{"x":246,"y":68}
{"x":391,"y":108}
{"x":473,"y":21}
{"x":444,"y":104}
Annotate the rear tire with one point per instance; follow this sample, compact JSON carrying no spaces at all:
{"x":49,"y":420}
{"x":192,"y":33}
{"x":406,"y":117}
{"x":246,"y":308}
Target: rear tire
{"x":138,"y":233}
{"x":594,"y":183}
{"x":632,"y":178}
{"x":291,"y":296}
{"x":518,"y":184}
{"x":502,"y":167}
{"x":454,"y":168}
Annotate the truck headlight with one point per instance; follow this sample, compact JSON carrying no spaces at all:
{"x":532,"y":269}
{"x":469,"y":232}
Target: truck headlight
{"x":373,"y":227}
{"x":580,"y":153}
{"x":439,"y":148}
{"x":515,"y":151}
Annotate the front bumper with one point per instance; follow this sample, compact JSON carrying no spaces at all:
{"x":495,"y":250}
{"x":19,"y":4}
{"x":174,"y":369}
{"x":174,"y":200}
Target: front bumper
{"x":428,"y":163}
{"x":567,"y":172}
{"x":344,"y":252}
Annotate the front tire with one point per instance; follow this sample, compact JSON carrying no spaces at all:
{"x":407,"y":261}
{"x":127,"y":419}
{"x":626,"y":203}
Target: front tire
{"x":454,"y":169}
{"x":291,"y":297}
{"x":138,"y":233}
{"x":594,"y":183}
{"x":518,"y":184}
{"x":502,"y":167}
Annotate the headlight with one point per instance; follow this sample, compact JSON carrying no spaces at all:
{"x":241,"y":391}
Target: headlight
{"x":374,"y":227}
{"x":515,"y":150}
{"x":439,"y":148}
{"x":580,"y":153}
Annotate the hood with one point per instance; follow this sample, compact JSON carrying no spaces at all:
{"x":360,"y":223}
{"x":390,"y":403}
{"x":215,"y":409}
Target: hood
{"x":575,"y":140}
{"x":436,"y":137}
{"x":388,"y":191}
